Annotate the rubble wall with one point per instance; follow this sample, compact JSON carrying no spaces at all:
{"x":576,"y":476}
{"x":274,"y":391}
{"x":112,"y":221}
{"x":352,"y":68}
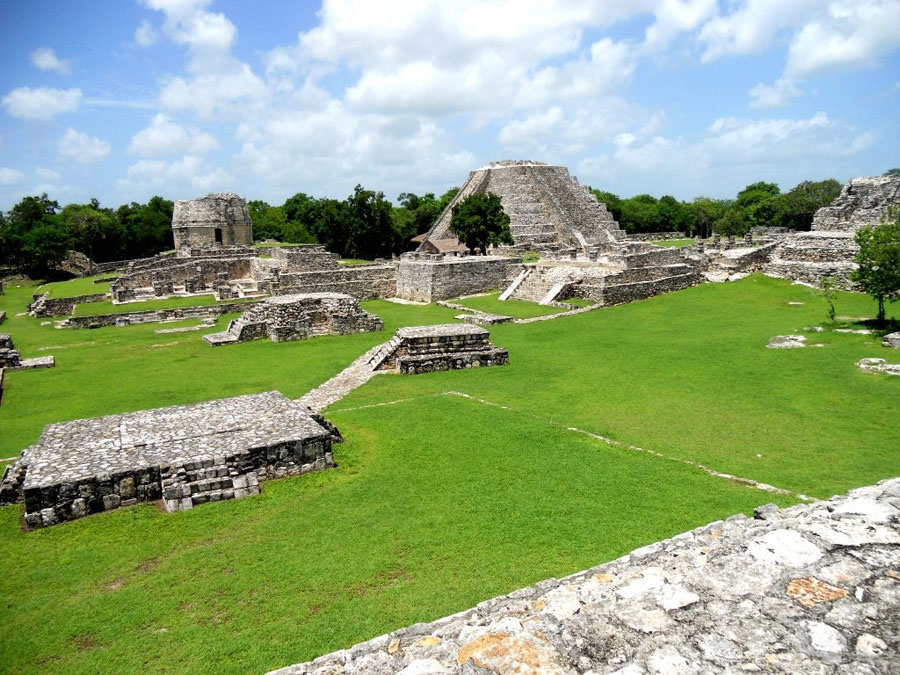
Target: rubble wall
{"x":437,"y":278}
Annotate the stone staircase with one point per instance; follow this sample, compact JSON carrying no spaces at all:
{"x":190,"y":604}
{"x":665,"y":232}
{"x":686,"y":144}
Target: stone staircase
{"x":192,"y":483}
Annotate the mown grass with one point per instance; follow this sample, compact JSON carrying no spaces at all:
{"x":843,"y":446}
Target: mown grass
{"x":518,"y":308}
{"x":439,"y":501}
{"x":108,"y":307}
{"x":673,"y":243}
{"x":354,"y":261}
{"x":73,"y":287}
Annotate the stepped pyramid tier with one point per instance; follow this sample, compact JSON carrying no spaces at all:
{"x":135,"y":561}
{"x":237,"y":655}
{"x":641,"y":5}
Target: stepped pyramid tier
{"x":184,"y":455}
{"x":548,"y":208}
{"x":829,"y":248}
{"x":218,"y":219}
{"x":298,"y":317}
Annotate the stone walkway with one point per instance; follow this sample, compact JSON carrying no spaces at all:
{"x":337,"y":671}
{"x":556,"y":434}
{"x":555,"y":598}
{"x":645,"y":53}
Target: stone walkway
{"x":810,"y":589}
{"x":487,"y":318}
{"x":355,"y":375}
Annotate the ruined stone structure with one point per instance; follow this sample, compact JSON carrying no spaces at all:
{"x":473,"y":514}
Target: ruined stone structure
{"x":239,"y":272}
{"x":624,"y":273}
{"x":810,"y":589}
{"x":43,"y":305}
{"x":548,"y":209}
{"x":426,"y":278}
{"x":452,"y":346}
{"x":298,"y":317}
{"x":829,"y":249}
{"x":12,"y":359}
{"x":413,"y":350}
{"x":184,"y":455}
{"x":215,"y":220}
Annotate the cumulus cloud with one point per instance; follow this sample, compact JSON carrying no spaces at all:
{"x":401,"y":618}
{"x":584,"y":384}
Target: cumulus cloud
{"x":41,"y":103}
{"x":774,"y":95}
{"x":9,"y":176}
{"x":165,"y":136}
{"x":850,"y":34}
{"x":146,"y":35}
{"x":79,"y":147}
{"x":753,"y":26}
{"x":674,"y":17}
{"x":183,"y":176}
{"x":45,"y":59}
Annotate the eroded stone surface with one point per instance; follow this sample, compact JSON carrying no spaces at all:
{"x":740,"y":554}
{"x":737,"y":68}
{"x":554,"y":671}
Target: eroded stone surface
{"x":810,"y":589}
{"x":873,"y":365}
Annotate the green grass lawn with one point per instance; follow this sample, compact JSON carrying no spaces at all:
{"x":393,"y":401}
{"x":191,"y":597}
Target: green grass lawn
{"x":673,"y":243}
{"x":439,"y":501}
{"x":107,"y":307}
{"x":518,"y":308}
{"x":354,"y":261}
{"x":73,"y":287}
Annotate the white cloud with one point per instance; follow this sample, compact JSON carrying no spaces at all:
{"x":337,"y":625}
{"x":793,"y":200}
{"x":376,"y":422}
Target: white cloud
{"x":753,"y":26}
{"x":775,"y":95}
{"x":164,"y":136}
{"x":851,"y":34}
{"x":9,"y":176}
{"x":146,"y":35}
{"x":677,"y":16}
{"x":182,"y":177}
{"x":41,"y":103}
{"x":79,"y":147}
{"x":45,"y":59}
{"x":47,"y":174}
{"x":523,"y":132}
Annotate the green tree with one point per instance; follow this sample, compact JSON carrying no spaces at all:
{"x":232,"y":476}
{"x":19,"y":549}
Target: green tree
{"x":93,"y":230}
{"x":268,"y":221}
{"x":796,"y":209}
{"x":706,"y":213}
{"x":32,"y":237}
{"x":147,"y":227}
{"x":756,"y":202}
{"x":893,"y":172}
{"x":370,"y":227}
{"x":879,"y":262}
{"x":479,"y":221}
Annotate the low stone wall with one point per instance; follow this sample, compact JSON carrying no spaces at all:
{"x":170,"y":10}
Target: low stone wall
{"x":156,"y":315}
{"x":428,"y":278}
{"x":305,"y":258}
{"x":621,"y":293}
{"x":657,"y":236}
{"x":44,"y":306}
{"x":197,"y":274}
{"x":425,"y":349}
{"x":363,"y":282}
{"x":810,"y":589}
{"x":429,"y":363}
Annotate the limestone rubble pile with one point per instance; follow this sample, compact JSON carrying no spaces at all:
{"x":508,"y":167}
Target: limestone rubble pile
{"x":809,"y":589}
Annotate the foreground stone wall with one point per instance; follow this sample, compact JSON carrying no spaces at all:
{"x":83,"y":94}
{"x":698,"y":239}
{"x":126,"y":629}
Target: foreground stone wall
{"x":810,"y":589}
{"x":363,"y":282}
{"x":428,"y":278}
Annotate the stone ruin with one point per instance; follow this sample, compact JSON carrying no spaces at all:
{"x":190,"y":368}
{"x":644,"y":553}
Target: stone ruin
{"x":813,"y":588}
{"x":426,"y":277}
{"x":216,"y":220}
{"x":548,"y":208}
{"x":829,"y":249}
{"x":454,"y":346}
{"x":183,"y":455}
{"x":298,"y":317}
{"x":12,"y":359}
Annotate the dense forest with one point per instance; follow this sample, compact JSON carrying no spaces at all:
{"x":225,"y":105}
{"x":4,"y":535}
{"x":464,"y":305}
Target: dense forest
{"x":36,"y":233}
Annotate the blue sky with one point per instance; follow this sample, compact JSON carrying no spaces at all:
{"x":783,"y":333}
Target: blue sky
{"x":121,"y":100}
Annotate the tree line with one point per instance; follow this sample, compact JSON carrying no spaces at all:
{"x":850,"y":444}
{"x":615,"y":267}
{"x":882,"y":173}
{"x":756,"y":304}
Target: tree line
{"x":36,"y":233}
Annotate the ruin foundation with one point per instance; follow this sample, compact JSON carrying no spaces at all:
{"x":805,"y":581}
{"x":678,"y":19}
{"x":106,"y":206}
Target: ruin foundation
{"x":452,"y":346}
{"x":184,"y":455}
{"x":298,"y":317}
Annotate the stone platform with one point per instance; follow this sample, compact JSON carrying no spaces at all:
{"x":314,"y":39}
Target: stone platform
{"x":10,"y":357}
{"x":813,"y":589}
{"x":298,"y":317}
{"x":185,"y":455}
{"x":452,"y":346}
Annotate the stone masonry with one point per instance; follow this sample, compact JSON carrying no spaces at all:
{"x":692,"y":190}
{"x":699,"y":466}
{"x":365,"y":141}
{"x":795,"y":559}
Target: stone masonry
{"x":452,"y":346}
{"x":427,"y":278}
{"x":810,"y":589}
{"x":184,"y":455}
{"x":12,"y":359}
{"x":548,"y":208}
{"x":214,"y":220}
{"x":829,"y":248}
{"x":298,"y":317}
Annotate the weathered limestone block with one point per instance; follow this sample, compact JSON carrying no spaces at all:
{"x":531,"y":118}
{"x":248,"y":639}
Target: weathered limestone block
{"x":862,"y":202}
{"x":809,"y":589}
{"x":185,"y":455}
{"x":442,"y":277}
{"x":892,"y":340}
{"x":426,"y":349}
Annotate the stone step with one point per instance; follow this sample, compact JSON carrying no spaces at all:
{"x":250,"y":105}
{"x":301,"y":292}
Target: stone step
{"x":515,"y":284}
